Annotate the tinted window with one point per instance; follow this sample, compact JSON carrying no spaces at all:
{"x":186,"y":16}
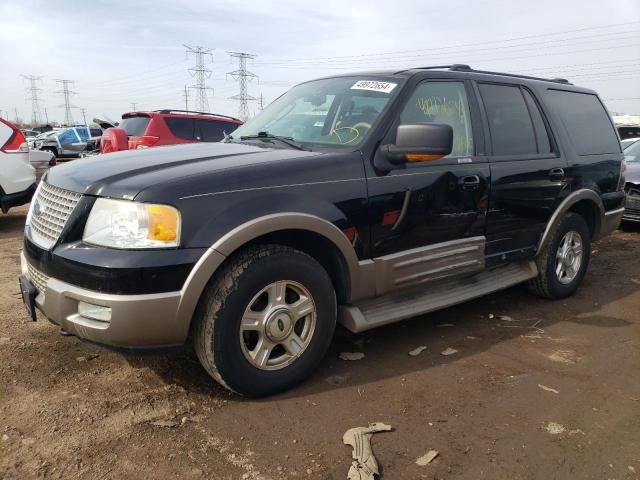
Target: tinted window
{"x":134,"y":126}
{"x":509,"y":121}
{"x":542,"y":135}
{"x":632,"y":152}
{"x":95,"y":132}
{"x":181,"y":127}
{"x":586,"y":121}
{"x":213,"y":131}
{"x":442,"y":102}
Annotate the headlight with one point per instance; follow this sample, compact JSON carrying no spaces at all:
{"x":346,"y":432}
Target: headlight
{"x":124,"y":224}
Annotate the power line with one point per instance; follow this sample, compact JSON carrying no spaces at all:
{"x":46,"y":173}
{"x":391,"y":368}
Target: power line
{"x":459,"y":45}
{"x":36,"y":117}
{"x":66,"y":93}
{"x":242,"y":76}
{"x":201,"y":73}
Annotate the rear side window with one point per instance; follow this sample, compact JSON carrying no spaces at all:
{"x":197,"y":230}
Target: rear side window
{"x":213,"y":131}
{"x":95,"y":132}
{"x":134,"y":126}
{"x":511,"y":127}
{"x":83,"y":133}
{"x":586,"y":121}
{"x":67,"y":137}
{"x":181,"y":127}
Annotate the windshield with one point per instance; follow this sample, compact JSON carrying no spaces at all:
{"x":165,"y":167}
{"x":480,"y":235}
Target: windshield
{"x":632,"y":152}
{"x":332,"y":112}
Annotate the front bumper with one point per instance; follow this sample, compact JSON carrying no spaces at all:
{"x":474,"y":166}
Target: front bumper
{"x":146,"y":320}
{"x":632,"y":209}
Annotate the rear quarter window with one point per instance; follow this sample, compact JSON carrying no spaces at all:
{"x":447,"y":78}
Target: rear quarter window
{"x":213,"y":131}
{"x":134,"y":126}
{"x":587,"y":122}
{"x":181,"y":127}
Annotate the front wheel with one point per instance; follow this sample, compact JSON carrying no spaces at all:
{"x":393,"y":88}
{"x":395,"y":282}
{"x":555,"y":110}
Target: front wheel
{"x":266,"y":320}
{"x":563,"y":262}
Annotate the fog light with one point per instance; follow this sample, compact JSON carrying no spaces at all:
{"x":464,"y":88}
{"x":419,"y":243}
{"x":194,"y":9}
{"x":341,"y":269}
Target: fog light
{"x":94,"y":312}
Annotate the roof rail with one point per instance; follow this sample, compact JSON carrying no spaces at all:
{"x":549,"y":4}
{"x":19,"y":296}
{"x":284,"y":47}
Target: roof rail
{"x":460,"y":67}
{"x":172,"y":110}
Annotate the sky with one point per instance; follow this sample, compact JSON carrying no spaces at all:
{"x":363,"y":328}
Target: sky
{"x":122,"y":52}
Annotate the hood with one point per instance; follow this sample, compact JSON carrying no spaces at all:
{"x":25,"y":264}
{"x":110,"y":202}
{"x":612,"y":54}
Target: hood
{"x":105,"y":122}
{"x":632,"y":174}
{"x":125,"y":174}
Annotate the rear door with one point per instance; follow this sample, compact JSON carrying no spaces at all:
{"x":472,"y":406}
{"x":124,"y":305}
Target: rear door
{"x":212,"y":130}
{"x":528,"y":173}
{"x":183,"y":129}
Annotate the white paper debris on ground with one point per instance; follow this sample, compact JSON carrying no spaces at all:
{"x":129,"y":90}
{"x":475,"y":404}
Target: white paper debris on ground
{"x":427,"y":458}
{"x":417,"y":351}
{"x":351,"y":356}
{"x":165,"y":423}
{"x":449,"y":351}
{"x":491,"y":316}
{"x":506,"y":318}
{"x":555,"y":428}
{"x":548,"y":389}
{"x":636,"y":281}
{"x":443,"y":325}
{"x":364,"y":465}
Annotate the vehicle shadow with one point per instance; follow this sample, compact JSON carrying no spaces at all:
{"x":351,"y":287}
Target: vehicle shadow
{"x":12,"y":222}
{"x":469,"y":328}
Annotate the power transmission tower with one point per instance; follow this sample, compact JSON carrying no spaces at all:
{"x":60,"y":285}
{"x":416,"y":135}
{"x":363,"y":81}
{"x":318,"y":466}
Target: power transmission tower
{"x":201,"y":73}
{"x":186,"y":98}
{"x":84,"y":115}
{"x":36,"y":117}
{"x":68,"y":118}
{"x":242,"y":76}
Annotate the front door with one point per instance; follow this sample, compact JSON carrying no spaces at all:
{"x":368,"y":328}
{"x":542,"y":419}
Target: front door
{"x":428,"y":218}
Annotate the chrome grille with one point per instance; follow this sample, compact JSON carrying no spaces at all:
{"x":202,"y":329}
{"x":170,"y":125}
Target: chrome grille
{"x":38,"y":279}
{"x":49,"y":213}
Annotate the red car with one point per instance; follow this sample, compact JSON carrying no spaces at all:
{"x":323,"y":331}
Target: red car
{"x":166,"y":127}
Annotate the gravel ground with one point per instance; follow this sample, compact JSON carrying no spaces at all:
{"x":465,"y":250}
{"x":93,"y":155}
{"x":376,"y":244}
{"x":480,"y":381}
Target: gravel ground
{"x":536,"y":389}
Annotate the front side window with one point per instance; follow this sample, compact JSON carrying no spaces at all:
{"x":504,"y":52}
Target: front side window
{"x":83,"y":133}
{"x":330,"y":112}
{"x":442,"y":102}
{"x":510,"y":124}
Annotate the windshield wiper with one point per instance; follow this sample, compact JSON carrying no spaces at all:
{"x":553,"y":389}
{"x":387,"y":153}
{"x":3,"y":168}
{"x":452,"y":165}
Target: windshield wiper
{"x":286,"y":140}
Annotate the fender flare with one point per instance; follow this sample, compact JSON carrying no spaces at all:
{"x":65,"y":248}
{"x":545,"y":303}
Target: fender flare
{"x":240,"y":235}
{"x":565,"y":206}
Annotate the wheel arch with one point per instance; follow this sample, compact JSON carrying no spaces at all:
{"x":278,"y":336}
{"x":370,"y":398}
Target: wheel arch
{"x":584,"y":202}
{"x":309,"y":233}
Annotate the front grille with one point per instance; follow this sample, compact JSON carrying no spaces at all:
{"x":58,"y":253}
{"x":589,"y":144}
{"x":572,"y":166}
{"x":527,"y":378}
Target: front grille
{"x":38,"y":278}
{"x":49,"y":213}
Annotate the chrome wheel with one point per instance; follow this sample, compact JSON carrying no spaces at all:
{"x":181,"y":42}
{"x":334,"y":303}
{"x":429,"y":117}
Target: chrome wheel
{"x":278,"y":325}
{"x":569,"y":257}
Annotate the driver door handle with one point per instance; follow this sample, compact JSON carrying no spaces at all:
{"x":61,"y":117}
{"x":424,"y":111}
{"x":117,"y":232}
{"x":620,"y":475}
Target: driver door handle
{"x":556,"y":173}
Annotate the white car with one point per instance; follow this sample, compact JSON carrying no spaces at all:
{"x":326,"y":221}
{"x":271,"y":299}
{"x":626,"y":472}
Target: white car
{"x":17,"y":175}
{"x":41,"y":161}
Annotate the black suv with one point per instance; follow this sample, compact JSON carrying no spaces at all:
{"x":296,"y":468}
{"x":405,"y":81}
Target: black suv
{"x":364,"y":199}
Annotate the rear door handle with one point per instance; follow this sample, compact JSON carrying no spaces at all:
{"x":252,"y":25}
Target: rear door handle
{"x":556,"y":173}
{"x":471,"y":180}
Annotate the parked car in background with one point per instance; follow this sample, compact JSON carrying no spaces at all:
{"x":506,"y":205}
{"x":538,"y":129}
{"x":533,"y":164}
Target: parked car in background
{"x":363,"y":199}
{"x":166,"y":127}
{"x":17,"y":176}
{"x":628,"y":141}
{"x":632,"y":182}
{"x":39,"y":140}
{"x":70,"y":142}
{"x":30,"y":135}
{"x":41,"y":160}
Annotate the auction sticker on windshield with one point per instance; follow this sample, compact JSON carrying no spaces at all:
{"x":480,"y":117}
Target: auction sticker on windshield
{"x":374,"y":85}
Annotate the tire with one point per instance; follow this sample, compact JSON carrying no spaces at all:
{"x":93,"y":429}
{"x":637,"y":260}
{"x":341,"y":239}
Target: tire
{"x":244,"y":288}
{"x":52,"y":150}
{"x":548,"y":284}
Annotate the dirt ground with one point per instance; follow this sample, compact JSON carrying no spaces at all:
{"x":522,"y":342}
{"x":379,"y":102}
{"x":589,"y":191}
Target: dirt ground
{"x":537,"y":389}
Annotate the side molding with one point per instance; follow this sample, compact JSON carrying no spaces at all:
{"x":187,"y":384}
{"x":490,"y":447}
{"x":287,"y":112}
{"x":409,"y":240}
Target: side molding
{"x":563,"y":208}
{"x":239,"y":236}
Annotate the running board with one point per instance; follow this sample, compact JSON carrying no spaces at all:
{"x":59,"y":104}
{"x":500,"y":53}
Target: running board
{"x":403,"y":304}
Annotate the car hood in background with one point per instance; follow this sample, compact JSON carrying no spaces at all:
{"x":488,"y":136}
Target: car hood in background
{"x":125,"y":174}
{"x":632,"y":173}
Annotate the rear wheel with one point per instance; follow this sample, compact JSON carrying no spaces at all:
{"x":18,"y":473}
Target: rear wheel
{"x":266,"y":320}
{"x":563,"y":263}
{"x":52,"y":150}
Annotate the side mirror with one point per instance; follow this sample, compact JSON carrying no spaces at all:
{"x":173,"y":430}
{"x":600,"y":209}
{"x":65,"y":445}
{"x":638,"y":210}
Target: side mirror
{"x":420,"y":143}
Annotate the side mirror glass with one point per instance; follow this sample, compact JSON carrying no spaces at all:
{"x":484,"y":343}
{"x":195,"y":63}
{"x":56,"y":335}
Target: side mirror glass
{"x":422,"y":142}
